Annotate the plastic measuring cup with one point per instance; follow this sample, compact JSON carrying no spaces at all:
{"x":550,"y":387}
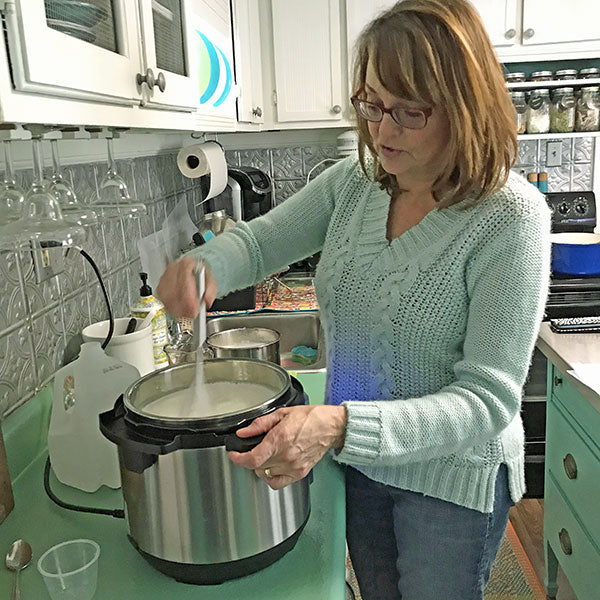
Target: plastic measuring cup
{"x":70,"y":570}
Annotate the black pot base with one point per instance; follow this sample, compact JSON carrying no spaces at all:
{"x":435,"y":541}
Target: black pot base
{"x":216,"y":573}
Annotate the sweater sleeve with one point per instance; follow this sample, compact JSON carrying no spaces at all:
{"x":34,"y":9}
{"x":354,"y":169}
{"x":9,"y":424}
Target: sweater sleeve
{"x":293,"y":230}
{"x":486,"y":394}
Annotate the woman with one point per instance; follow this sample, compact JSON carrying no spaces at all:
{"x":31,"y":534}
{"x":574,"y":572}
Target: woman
{"x":431,"y":285}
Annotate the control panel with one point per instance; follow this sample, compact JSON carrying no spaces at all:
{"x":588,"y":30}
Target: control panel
{"x":572,"y":211}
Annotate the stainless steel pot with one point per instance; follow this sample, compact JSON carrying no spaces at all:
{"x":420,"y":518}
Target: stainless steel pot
{"x":245,"y":342}
{"x":192,"y":513}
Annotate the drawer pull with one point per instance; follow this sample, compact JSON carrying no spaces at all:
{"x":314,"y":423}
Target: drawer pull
{"x":557,"y":380}
{"x":565,"y":541}
{"x":570,"y":466}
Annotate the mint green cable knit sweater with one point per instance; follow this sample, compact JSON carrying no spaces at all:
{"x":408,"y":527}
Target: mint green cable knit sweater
{"x":429,"y":337}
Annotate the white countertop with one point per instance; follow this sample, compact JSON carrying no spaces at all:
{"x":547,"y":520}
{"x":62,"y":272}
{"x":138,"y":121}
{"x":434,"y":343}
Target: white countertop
{"x":567,"y":349}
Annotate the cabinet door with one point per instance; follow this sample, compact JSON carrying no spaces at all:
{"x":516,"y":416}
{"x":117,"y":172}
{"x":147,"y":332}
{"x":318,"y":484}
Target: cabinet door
{"x":358,"y":14}
{"x":500,"y":20}
{"x":86,"y":52}
{"x":308,"y":63}
{"x":248,"y":65}
{"x":166,"y":36}
{"x":557,"y":21}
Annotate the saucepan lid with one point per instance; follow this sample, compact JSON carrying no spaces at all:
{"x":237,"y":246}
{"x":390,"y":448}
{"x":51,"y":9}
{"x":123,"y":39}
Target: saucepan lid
{"x":215,"y":393}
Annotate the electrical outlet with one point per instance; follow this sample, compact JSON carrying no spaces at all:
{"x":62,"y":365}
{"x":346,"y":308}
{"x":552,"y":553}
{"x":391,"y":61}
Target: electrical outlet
{"x":554,"y":154}
{"x":47,"y":261}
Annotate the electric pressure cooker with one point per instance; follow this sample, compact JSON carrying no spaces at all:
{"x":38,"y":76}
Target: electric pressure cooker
{"x":191,"y":512}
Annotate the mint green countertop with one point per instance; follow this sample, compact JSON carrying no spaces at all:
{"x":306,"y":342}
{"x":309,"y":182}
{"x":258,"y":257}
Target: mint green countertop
{"x":313,"y":570}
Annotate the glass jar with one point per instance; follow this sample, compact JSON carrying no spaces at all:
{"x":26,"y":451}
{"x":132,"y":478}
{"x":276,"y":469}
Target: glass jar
{"x":562,"y":110}
{"x":590,"y":73}
{"x":538,"y":111}
{"x":566,"y":74}
{"x":542,"y":76}
{"x":587,"y":115}
{"x":518,"y":100}
{"x":514,"y":77}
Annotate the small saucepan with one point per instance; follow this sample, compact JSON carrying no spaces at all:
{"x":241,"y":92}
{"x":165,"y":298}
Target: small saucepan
{"x":576,"y":254}
{"x":245,"y":342}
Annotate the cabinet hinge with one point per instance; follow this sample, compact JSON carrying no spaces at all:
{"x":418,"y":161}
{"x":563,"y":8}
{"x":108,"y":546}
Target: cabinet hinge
{"x":274,"y":98}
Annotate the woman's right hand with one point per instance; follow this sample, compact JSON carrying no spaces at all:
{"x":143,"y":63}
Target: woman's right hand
{"x":178,"y":288}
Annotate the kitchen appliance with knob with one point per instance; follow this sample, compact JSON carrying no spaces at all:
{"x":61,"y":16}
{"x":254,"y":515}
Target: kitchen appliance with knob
{"x":572,"y":212}
{"x":192,"y":513}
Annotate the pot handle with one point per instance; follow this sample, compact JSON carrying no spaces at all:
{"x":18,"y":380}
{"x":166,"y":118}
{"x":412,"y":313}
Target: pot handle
{"x":238,"y":444}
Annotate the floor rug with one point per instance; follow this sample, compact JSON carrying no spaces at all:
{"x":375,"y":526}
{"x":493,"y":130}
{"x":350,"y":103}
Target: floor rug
{"x":512,"y":577}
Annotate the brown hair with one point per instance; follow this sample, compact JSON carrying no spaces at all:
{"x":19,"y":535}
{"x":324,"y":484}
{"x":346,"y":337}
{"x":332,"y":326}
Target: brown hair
{"x":438,"y":52}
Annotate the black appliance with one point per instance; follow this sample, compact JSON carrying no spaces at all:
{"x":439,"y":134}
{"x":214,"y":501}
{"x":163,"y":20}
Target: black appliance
{"x":256,"y":191}
{"x":251,"y":191}
{"x":568,"y":297}
{"x":247,"y":187}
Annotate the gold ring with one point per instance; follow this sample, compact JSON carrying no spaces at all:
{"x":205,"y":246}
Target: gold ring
{"x":268,"y":473}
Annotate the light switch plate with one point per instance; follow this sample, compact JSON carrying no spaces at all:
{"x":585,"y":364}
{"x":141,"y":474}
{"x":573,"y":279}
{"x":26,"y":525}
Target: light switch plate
{"x":554,"y":154}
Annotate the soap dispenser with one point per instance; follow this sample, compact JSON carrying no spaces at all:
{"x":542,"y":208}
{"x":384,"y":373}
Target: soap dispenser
{"x":160,"y":335}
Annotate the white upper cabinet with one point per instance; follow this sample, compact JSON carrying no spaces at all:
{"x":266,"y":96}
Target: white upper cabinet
{"x":558,"y":22}
{"x":169,"y":76}
{"x":535,"y":30}
{"x":358,"y":14}
{"x":501,"y":20}
{"x":84,"y":52}
{"x":310,"y":78}
{"x":248,"y":60}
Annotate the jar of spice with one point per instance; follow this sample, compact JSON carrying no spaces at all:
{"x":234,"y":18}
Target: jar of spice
{"x":587,"y":116}
{"x":566,"y":74}
{"x":514,"y":77}
{"x":518,"y":100}
{"x":538,"y":111}
{"x":562,"y":110}
{"x":542,"y":76}
{"x":590,"y":73}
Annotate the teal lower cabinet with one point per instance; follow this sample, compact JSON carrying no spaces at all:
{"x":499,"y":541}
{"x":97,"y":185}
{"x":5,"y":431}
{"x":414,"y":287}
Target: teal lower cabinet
{"x":572,"y":489}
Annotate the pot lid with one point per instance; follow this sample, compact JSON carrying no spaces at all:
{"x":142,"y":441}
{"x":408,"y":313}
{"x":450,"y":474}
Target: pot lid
{"x":214,"y":393}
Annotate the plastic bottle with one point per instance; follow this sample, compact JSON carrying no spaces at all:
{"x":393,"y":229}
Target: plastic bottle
{"x":80,"y":455}
{"x":160,"y":337}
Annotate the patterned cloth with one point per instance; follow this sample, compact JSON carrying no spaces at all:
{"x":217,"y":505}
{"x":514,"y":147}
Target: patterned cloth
{"x":429,"y":337}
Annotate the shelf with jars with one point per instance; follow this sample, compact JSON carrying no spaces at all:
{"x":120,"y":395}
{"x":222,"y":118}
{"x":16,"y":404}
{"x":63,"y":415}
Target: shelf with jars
{"x":554,"y":136}
{"x":556,"y":103}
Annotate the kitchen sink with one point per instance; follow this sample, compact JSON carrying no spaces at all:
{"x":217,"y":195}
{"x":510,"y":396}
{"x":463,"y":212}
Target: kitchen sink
{"x":295,"y":329}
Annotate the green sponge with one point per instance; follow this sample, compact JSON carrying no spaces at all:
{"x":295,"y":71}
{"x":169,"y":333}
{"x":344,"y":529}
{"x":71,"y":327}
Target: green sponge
{"x":304,"y":355}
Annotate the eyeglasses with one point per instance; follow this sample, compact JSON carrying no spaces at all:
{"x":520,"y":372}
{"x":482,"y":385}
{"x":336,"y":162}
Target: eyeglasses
{"x":411,"y":118}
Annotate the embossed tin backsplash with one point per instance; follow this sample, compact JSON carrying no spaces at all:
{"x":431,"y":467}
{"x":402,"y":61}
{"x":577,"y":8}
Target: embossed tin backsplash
{"x":36,"y":321}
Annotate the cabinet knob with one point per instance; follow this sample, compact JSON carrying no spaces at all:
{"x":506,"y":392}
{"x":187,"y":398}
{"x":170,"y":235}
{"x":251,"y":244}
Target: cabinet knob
{"x":337,"y":109}
{"x":570,"y":466}
{"x":510,"y":34}
{"x":528,"y":33}
{"x":151,"y":81}
{"x":557,"y":380}
{"x":565,"y":541}
{"x":257,"y":112}
{"x":161,"y":82}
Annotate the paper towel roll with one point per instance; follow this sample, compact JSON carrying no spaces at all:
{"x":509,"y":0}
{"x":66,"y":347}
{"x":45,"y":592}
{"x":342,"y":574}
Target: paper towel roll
{"x":201,"y":159}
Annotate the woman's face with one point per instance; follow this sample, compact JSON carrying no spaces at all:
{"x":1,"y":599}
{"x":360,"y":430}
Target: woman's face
{"x":409,"y":154}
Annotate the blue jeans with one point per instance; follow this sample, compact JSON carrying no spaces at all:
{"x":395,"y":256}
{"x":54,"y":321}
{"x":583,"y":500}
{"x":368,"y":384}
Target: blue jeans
{"x":407,"y":546}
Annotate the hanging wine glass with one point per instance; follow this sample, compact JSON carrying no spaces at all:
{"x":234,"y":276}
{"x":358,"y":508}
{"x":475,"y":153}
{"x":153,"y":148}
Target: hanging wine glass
{"x":114,"y":199}
{"x":41,"y":222}
{"x":71,"y":208}
{"x":12,"y":195}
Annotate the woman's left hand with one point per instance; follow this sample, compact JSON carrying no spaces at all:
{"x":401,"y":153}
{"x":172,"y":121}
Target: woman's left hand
{"x":297,"y":438}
